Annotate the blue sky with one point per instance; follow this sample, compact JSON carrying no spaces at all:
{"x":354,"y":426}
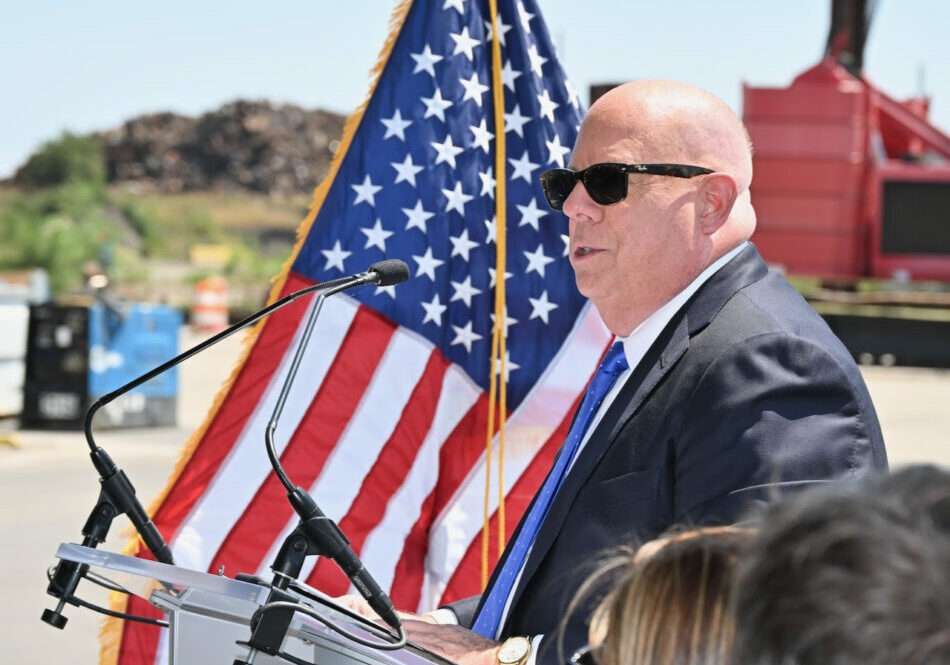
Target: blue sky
{"x":91,"y":64}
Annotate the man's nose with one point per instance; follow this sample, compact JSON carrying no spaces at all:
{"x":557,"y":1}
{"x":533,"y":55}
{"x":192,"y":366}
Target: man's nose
{"x":579,"y":204}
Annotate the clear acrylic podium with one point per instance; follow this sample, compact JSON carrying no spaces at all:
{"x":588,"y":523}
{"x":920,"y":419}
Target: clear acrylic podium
{"x":209,"y":614}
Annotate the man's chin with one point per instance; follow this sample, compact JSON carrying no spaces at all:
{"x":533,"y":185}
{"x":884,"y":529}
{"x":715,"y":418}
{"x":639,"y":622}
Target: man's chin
{"x":588,"y":285}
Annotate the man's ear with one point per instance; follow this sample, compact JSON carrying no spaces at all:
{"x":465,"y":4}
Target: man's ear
{"x":718,"y":194}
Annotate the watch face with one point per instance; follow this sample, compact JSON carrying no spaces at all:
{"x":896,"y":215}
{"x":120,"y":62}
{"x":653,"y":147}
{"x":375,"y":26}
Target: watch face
{"x":513,"y":650}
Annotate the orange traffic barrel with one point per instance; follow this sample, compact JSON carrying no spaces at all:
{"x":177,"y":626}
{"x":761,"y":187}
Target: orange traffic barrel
{"x":210,"y":309}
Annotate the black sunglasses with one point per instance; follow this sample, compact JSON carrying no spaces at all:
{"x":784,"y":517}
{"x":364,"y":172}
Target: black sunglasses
{"x":607,"y":182}
{"x":584,"y":655}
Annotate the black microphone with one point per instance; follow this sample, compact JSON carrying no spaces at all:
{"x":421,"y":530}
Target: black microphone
{"x":330,"y":541}
{"x":390,"y":271}
{"x":117,"y":495}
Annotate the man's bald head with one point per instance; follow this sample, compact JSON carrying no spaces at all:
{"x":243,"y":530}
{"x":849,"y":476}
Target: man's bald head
{"x":633,"y":256}
{"x":678,"y":122}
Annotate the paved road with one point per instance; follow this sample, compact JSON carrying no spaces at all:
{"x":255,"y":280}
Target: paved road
{"x":47,"y":487}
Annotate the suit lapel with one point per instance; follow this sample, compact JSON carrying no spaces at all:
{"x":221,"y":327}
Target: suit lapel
{"x":669,"y":347}
{"x":747,"y":267}
{"x":640,"y":383}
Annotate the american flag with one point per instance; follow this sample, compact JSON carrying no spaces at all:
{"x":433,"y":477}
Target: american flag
{"x":387,"y":420}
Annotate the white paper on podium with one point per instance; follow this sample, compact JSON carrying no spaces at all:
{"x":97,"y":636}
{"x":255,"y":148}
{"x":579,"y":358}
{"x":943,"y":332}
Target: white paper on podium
{"x":148,"y":572}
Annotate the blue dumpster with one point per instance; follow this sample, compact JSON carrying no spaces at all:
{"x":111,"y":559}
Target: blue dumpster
{"x":125,"y":343}
{"x":78,"y":353}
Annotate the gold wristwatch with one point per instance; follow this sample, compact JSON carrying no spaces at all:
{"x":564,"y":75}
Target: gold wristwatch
{"x":514,"y":651}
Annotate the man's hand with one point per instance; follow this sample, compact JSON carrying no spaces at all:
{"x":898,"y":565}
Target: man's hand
{"x":453,"y":642}
{"x":359,"y":605}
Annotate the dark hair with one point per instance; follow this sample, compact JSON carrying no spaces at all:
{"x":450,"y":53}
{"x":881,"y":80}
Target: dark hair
{"x":857,"y":572}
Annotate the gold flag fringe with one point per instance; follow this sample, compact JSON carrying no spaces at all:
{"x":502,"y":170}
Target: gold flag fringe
{"x":110,"y":634}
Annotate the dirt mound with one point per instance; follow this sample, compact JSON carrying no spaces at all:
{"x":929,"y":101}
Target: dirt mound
{"x":270,"y":148}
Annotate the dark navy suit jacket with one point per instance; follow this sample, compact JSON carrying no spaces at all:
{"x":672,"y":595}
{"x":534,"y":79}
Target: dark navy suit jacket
{"x":746,"y":390}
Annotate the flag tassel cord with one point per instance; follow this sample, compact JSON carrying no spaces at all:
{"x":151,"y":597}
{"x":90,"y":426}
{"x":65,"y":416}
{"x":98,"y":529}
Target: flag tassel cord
{"x":498,"y":383}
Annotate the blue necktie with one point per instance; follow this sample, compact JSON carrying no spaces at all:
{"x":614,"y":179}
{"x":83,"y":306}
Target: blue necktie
{"x":614,"y":364}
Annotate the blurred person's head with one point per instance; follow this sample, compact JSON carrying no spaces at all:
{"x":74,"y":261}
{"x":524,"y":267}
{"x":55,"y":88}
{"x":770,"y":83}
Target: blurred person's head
{"x":669,"y":601}
{"x":851,"y":573}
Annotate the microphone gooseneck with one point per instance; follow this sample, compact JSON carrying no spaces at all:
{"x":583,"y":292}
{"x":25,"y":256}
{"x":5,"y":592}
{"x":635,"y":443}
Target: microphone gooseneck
{"x":318,"y":532}
{"x":315,"y":533}
{"x":384,"y":273}
{"x":117,"y":494}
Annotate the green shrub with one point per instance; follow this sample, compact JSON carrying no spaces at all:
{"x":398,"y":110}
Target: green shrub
{"x":59,"y":229}
{"x":129,"y":268}
{"x":199,"y":274}
{"x":249,"y":264}
{"x":141,"y":217}
{"x":68,"y":159}
{"x":196,"y":221}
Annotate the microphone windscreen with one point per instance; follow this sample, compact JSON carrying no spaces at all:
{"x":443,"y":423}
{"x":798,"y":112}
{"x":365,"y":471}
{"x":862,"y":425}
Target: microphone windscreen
{"x":390,"y":271}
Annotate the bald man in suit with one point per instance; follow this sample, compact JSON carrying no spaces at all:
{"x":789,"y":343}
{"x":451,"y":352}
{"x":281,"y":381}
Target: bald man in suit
{"x":730,"y":385}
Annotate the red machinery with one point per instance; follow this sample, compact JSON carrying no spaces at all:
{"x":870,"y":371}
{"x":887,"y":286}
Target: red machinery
{"x":848,"y":181}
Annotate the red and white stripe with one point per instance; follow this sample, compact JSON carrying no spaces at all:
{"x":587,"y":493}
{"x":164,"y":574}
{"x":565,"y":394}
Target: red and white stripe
{"x":386,"y":434}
